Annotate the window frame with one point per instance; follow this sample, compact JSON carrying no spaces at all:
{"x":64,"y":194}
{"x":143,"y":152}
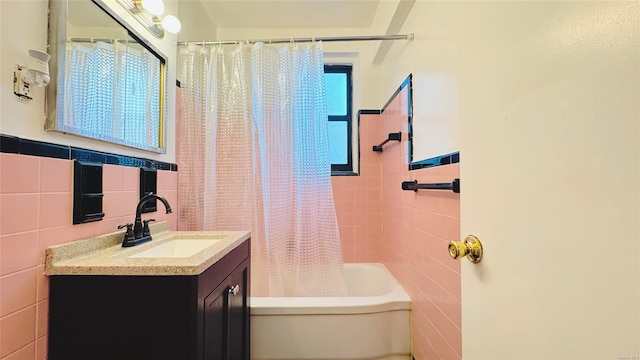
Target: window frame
{"x":344,"y":169}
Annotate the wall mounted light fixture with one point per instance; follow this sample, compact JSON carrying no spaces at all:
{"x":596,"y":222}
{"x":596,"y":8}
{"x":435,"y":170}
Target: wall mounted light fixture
{"x":149,"y":14}
{"x":36,"y":73}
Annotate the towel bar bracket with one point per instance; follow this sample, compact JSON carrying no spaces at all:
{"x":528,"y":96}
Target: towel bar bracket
{"x":392,"y":137}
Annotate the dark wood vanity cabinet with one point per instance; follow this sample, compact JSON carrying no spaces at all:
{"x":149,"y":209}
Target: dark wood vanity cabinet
{"x":203,"y":316}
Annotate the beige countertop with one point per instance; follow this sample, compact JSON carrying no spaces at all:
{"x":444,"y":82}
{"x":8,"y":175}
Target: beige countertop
{"x":104,"y":255}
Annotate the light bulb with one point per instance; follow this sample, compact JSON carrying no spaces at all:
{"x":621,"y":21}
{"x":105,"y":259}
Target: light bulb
{"x":154,"y":7}
{"x":171,"y":24}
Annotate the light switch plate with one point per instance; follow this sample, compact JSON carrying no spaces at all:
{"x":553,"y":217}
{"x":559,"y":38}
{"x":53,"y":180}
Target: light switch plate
{"x":20,"y":88}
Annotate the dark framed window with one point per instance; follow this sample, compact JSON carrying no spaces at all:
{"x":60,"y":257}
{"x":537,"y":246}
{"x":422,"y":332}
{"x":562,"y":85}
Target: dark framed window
{"x":339,"y":90}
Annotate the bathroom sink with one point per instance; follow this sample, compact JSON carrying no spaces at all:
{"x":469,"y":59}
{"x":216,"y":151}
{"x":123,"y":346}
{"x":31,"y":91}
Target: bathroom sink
{"x":178,"y":248}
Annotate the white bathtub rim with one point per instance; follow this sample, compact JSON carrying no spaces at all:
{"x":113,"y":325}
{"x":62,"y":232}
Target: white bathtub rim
{"x":396,"y":299}
{"x":273,"y":308}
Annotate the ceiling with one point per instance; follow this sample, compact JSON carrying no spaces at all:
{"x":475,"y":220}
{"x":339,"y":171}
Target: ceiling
{"x":291,"y":13}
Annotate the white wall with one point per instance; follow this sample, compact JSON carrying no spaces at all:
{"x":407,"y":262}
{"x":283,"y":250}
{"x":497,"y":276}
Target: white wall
{"x":196,"y":24}
{"x":24,"y":26}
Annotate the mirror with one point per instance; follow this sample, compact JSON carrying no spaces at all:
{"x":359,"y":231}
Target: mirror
{"x":107,"y":82}
{"x":433,"y":121}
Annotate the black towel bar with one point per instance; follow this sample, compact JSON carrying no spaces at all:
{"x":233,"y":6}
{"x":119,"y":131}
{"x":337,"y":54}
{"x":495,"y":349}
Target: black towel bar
{"x":392,"y":137}
{"x":414,"y":185}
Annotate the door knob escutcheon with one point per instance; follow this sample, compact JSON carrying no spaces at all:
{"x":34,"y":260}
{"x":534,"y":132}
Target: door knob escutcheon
{"x":471,"y":248}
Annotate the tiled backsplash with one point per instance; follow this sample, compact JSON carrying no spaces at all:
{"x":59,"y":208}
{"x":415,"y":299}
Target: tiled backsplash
{"x":35,"y":213}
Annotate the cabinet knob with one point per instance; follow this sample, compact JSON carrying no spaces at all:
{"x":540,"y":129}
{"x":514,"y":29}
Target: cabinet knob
{"x":233,"y":290}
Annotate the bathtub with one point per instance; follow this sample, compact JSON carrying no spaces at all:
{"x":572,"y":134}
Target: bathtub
{"x":371,"y":322}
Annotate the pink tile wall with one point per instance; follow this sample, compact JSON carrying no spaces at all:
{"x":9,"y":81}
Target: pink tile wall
{"x":417,"y":227}
{"x":357,"y":200}
{"x":408,"y":231}
{"x":35,"y":213}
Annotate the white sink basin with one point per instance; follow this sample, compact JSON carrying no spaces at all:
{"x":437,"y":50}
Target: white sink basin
{"x":177,"y":248}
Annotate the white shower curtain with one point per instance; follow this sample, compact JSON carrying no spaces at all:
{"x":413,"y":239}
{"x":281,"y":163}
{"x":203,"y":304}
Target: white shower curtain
{"x":253,"y":154}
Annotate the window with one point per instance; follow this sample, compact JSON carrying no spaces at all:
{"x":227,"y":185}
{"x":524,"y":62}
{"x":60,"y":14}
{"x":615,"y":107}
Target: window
{"x":339,"y":108}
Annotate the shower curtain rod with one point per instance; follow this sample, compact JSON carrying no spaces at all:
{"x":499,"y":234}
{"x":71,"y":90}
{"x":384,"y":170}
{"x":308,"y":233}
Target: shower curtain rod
{"x":302,"y":40}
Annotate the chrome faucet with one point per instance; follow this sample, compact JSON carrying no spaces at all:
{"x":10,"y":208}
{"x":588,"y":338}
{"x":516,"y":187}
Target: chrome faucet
{"x":139,"y":233}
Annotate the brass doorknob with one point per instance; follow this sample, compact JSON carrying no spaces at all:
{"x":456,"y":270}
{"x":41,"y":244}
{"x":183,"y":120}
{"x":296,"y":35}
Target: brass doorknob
{"x":471,"y":248}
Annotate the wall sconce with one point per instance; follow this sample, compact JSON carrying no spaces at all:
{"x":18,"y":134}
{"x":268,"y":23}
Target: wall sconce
{"x":36,"y":73}
{"x":148,"y":13}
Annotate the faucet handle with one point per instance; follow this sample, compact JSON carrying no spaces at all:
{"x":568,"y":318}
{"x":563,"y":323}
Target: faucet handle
{"x":145,"y":227}
{"x":129,"y":235}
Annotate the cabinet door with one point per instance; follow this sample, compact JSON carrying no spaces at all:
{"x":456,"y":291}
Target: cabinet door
{"x":226,"y":318}
{"x":238,"y":315}
{"x":215,"y":323}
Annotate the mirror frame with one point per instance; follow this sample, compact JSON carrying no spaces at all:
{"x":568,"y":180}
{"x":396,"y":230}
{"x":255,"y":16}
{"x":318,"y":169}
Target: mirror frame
{"x":57,"y":37}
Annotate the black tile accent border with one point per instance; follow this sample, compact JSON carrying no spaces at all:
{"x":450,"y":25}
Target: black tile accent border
{"x":178,"y":83}
{"x":369,"y":112}
{"x":446,"y":159}
{"x":9,"y":144}
{"x":344,"y":173}
{"x":406,"y":82}
{"x":16,"y":145}
{"x":39,"y":148}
